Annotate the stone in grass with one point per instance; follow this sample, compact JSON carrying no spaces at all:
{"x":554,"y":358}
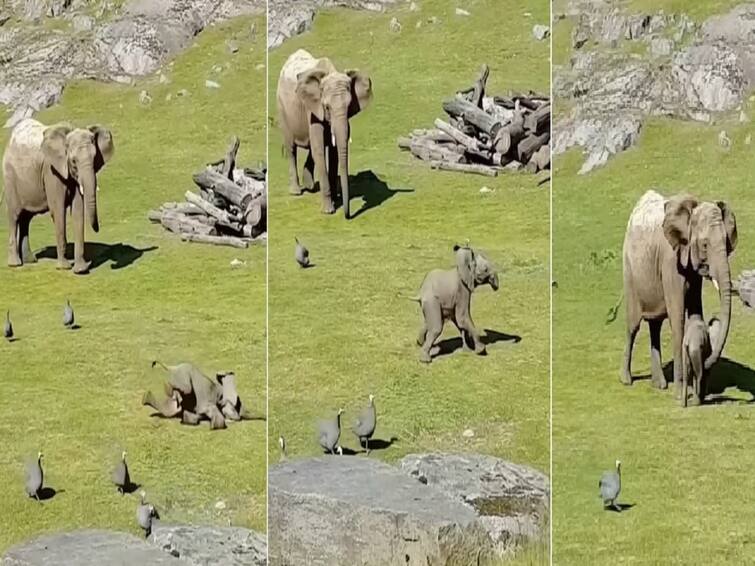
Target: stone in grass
{"x":144,"y":97}
{"x":541,"y":32}
{"x":413,"y":7}
{"x":202,"y":545}
{"x":211,"y":84}
{"x":724,"y":140}
{"x":394,"y":25}
{"x":462,"y":12}
{"x":344,"y":511}
{"x":232,"y":46}
{"x":88,"y":548}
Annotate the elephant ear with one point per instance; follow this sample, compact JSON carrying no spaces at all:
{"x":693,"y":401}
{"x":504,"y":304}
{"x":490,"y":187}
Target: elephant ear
{"x":676,"y":224}
{"x":361,"y":91}
{"x":103,"y":141}
{"x":55,"y":148}
{"x":465,"y":265}
{"x":309,"y":91}
{"x":730,"y":224}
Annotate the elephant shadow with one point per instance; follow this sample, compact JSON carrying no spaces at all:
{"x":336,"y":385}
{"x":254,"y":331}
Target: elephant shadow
{"x":120,"y":255}
{"x":488,"y":337}
{"x":373,"y":191}
{"x":47,"y":492}
{"x":728,"y":373}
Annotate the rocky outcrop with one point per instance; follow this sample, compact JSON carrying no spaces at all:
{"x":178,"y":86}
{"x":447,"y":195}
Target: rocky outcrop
{"x":289,"y":18}
{"x":119,"y":44}
{"x":350,"y":510}
{"x":687,"y":71}
{"x":205,"y":546}
{"x":88,"y":548}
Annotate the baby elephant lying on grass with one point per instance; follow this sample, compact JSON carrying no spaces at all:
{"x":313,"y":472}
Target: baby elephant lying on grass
{"x":447,"y":295}
{"x":699,"y":340}
{"x":193,"y":396}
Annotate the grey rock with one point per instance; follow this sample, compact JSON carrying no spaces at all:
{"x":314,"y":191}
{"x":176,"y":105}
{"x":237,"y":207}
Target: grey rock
{"x":144,"y":97}
{"x":206,"y":546}
{"x":211,"y":84}
{"x":87,"y":548}
{"x":661,"y":46}
{"x":346,"y":511}
{"x":82,"y":22}
{"x":394,"y":25}
{"x":541,"y":32}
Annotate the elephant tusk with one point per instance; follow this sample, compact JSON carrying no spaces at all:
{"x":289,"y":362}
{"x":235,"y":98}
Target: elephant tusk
{"x":715,"y":284}
{"x":81,"y":191}
{"x":332,"y":139}
{"x":97,"y":188}
{"x":349,"y":139}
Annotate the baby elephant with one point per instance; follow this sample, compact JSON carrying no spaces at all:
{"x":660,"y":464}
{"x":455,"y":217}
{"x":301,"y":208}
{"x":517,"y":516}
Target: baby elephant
{"x":447,"y":294}
{"x":699,"y":340}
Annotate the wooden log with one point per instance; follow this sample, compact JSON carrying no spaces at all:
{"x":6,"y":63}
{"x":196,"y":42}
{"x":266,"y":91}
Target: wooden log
{"x":210,"y":180}
{"x":181,"y":224}
{"x":472,"y":144}
{"x":464,"y":168}
{"x":432,"y":151}
{"x":479,"y":87}
{"x":221,"y":215}
{"x":540,"y":160}
{"x":509,"y":136}
{"x":156,"y":217}
{"x":539,"y":120}
{"x":215,"y":240}
{"x":182,"y":207}
{"x":257,"y":173}
{"x":256,"y":213}
{"x":529,"y":145}
{"x":473,"y":115}
{"x":229,"y":163}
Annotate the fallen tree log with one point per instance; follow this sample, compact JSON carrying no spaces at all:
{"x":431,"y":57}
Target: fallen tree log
{"x":529,"y":145}
{"x":473,"y":115}
{"x":215,"y":240}
{"x":538,"y":121}
{"x":540,"y":160}
{"x":470,"y":143}
{"x":211,"y":180}
{"x":465,"y":168}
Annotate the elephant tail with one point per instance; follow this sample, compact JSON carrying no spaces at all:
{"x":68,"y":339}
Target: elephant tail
{"x":159,"y":363}
{"x":149,"y":400}
{"x":613,"y":312}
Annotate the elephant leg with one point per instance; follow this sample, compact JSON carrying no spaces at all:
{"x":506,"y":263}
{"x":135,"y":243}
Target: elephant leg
{"x":308,"y":174}
{"x":685,"y":373}
{"x":434,"y":325}
{"x":676,"y":320}
{"x":633,"y":326}
{"x":422,"y":335}
{"x":467,"y":325}
{"x":697,"y":363}
{"x":466,"y":339}
{"x":189,"y":418}
{"x":293,"y":171}
{"x":58,"y":213}
{"x":23,"y":233}
{"x":317,"y":148}
{"x":656,"y":369}
{"x":14,"y":257}
{"x":80,"y":265}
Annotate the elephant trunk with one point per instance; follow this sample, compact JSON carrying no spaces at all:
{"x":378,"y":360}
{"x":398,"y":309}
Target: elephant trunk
{"x":494,"y":281}
{"x":88,"y":184}
{"x":341,"y":133}
{"x":722,"y":276}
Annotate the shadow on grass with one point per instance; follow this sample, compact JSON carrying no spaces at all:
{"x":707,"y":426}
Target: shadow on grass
{"x":620,"y":507}
{"x":120,"y":255}
{"x":728,"y":373}
{"x":131,"y":488}
{"x":373,"y":190}
{"x":48,"y":493}
{"x":379,"y":444}
{"x":489,"y":337}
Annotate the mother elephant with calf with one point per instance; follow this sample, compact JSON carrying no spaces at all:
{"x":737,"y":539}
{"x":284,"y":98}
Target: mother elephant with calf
{"x":670,"y":245}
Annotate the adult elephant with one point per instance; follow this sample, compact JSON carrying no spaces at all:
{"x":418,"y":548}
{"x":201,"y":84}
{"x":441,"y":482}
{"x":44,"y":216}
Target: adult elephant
{"x":53,"y":169}
{"x":315,"y":103}
{"x":669,"y":246}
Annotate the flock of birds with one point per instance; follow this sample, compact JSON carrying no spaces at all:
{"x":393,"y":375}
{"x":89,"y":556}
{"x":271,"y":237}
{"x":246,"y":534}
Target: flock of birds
{"x":329,"y":431}
{"x":69,"y":321}
{"x":145,"y":512}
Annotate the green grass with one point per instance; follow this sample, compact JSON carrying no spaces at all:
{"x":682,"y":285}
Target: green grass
{"x":339,"y":331}
{"x":76,"y":395}
{"x":686,"y":471}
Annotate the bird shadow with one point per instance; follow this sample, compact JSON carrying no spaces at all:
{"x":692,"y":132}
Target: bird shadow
{"x":131,"y":488}
{"x":120,"y":255}
{"x":381,"y":444}
{"x":371,"y":188}
{"x":46,"y":493}
{"x":346,"y":452}
{"x":620,"y":507}
{"x":308,"y":266}
{"x":74,"y":327}
{"x":448,"y":346}
{"x":11,"y":340}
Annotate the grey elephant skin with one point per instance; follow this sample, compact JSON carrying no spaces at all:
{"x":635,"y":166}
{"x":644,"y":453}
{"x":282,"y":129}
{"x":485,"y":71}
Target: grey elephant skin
{"x":315,"y":103}
{"x":447,"y":295}
{"x":698,"y":343}
{"x":53,"y":169}
{"x":670,"y":245}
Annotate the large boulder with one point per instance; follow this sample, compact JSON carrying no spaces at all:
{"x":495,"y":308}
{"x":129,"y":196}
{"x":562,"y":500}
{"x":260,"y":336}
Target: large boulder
{"x":348,"y":510}
{"x":205,"y":546}
{"x":88,"y":548}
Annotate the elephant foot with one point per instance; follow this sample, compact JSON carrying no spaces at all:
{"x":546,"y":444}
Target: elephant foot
{"x":481,"y":351}
{"x":29,"y":257}
{"x":15,"y":262}
{"x":63,"y":264}
{"x":696,"y":401}
{"x":659,"y":383}
{"x":328,"y":208}
{"x":81,"y":267}
{"x":625,"y":377}
{"x":295,"y":191}
{"x":425,"y":357}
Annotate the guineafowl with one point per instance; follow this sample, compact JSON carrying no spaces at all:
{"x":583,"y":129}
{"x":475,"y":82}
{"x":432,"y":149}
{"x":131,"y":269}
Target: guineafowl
{"x":68,"y":317}
{"x":8,"y":328}
{"x":610,"y":487}
{"x":329,"y":432}
{"x":364,"y":427}
{"x":145,"y":512}
{"x":34,"y":477}
{"x":282,"y":444}
{"x":301,"y":254}
{"x":121,"y":477}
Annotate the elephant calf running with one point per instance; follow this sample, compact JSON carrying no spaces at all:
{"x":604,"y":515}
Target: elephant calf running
{"x":53,"y":169}
{"x":700,"y":340}
{"x":447,"y":295}
{"x":193,"y":396}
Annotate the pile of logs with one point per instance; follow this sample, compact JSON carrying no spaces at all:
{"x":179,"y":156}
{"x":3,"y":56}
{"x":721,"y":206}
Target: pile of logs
{"x":228,"y":209}
{"x":487,"y":134}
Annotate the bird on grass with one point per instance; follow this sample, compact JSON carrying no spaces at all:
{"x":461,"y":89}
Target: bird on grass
{"x":145,"y":512}
{"x":121,"y":477}
{"x":329,"y":432}
{"x":8,"y":328}
{"x":282,"y":444}
{"x":610,"y":487}
{"x":68,"y":317}
{"x":364,"y":426}
{"x":301,"y":254}
{"x":34,"y":477}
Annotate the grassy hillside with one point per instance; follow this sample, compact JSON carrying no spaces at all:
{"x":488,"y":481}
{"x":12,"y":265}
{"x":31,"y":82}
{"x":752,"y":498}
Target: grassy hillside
{"x":76,"y":395}
{"x":685,"y":471}
{"x":339,"y":331}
